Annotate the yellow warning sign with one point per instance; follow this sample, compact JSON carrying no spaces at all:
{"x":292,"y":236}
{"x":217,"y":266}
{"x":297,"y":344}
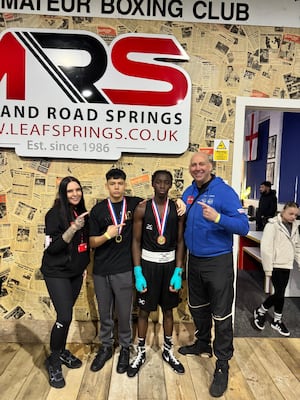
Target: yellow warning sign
{"x":221,"y":150}
{"x":221,"y":146}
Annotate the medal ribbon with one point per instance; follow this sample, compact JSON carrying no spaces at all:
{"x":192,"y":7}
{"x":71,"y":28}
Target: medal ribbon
{"x":113,"y":214}
{"x":160,"y":223}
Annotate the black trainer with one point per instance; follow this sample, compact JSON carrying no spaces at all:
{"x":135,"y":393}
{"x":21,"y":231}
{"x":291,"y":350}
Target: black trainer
{"x":123,"y":361}
{"x":280,"y":327}
{"x":68,"y":359}
{"x":169,"y":358}
{"x":198,"y":348}
{"x":56,"y":378}
{"x":139,"y":360}
{"x":104,"y":354}
{"x":259,"y":319}
{"x":220,"y":381}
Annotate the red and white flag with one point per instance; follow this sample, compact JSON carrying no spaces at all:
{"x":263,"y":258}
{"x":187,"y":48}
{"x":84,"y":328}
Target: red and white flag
{"x":251,"y":136}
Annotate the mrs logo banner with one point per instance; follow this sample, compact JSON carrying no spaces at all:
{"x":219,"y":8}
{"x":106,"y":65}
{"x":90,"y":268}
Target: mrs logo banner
{"x":68,"y":94}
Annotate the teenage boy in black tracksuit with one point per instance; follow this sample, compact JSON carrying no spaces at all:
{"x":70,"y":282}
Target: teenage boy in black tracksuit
{"x":110,"y":236}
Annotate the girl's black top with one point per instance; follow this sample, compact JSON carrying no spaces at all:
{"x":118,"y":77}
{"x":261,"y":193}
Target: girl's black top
{"x":61,"y":259}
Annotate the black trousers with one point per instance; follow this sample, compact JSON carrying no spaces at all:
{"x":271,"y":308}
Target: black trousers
{"x":210,"y":297}
{"x":63,"y":293}
{"x":280,"y":279}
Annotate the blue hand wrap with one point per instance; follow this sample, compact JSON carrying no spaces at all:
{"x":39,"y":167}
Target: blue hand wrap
{"x":140,"y":281}
{"x":176,"y":280}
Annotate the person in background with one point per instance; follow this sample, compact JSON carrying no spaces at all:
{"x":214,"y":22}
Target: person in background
{"x":280,"y":247}
{"x":267,"y":205}
{"x":158,"y":252}
{"x":64,"y":262}
{"x":214,"y":213}
{"x":110,"y":236}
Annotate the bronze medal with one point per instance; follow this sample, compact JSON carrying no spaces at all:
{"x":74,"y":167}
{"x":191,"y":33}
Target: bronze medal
{"x":161,"y":240}
{"x":118,"y":238}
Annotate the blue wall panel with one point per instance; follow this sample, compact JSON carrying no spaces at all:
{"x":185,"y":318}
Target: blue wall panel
{"x":290,"y":159}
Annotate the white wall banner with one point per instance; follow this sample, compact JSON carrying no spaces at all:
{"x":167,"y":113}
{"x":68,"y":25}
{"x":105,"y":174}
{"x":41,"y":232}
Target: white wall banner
{"x":68,"y":94}
{"x":250,"y":12}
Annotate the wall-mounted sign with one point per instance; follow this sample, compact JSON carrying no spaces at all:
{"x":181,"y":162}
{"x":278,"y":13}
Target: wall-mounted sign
{"x":248,"y":12}
{"x":68,"y":94}
{"x":221,"y":150}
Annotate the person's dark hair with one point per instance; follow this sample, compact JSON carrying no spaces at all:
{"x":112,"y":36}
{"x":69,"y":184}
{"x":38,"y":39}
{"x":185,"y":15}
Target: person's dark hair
{"x":161,"y":171}
{"x":290,"y":204}
{"x":115,"y":173}
{"x":266,"y":183}
{"x":62,"y":200}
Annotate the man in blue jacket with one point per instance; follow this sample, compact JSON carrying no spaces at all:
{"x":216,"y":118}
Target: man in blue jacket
{"x":214,"y":213}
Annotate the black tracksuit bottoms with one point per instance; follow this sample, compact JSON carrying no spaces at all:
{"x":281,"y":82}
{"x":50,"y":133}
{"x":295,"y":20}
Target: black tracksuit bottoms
{"x":63,"y":293}
{"x":210,"y":297}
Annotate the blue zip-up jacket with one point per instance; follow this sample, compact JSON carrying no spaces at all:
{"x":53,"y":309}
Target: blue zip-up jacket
{"x":205,"y":238}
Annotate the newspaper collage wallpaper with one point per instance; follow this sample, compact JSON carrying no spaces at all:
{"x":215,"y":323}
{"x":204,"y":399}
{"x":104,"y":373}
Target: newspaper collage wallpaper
{"x":225,"y":61}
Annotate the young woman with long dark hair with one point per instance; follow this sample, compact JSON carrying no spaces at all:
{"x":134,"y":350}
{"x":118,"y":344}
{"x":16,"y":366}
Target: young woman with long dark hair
{"x":64,"y":262}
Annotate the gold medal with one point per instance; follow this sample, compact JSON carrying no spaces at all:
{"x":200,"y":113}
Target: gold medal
{"x":118,"y":238}
{"x":161,"y":240}
{"x":119,"y":224}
